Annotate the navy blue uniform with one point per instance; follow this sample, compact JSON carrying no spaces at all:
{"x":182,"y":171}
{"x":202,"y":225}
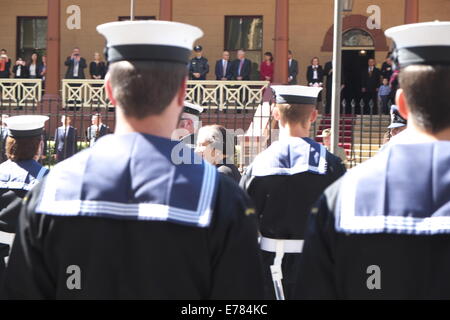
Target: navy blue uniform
{"x":198,"y":65}
{"x":284,"y":181}
{"x":378,"y":233}
{"x":16,"y":179}
{"x":139,"y":227}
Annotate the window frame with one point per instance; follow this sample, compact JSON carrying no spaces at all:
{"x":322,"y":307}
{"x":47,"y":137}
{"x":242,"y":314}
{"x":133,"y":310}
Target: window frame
{"x":226,"y":23}
{"x":18,"y":33}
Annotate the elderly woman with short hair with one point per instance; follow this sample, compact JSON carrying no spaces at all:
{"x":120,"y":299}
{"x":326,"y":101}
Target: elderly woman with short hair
{"x":213,"y":147}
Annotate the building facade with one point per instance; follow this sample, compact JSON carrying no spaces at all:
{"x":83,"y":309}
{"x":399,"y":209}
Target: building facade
{"x":230,"y":24}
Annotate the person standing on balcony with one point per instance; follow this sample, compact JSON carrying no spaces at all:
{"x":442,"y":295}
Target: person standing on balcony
{"x":20,"y":69}
{"x":241,"y":68}
{"x":370,"y":84}
{"x":35,"y":67}
{"x":382,"y":231}
{"x":284,"y":181}
{"x":75,"y":65}
{"x":314,"y":76}
{"x":44,"y":68}
{"x":386,"y":68}
{"x":5,"y":64}
{"x":266,"y":68}
{"x":97,"y":68}
{"x":65,"y":139}
{"x":97,"y":129}
{"x":292,"y":69}
{"x":198,"y":67}
{"x":223,"y":67}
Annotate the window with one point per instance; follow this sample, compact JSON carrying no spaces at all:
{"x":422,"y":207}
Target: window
{"x":357,"y":38}
{"x":245,"y":32}
{"x":31,"y":36}
{"x":127,"y":18}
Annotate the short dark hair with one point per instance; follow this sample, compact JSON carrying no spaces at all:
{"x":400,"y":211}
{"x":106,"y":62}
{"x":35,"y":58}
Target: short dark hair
{"x":269,"y":54}
{"x":295,"y":113}
{"x":289,"y":52}
{"x":24,"y":148}
{"x":144,"y":88}
{"x":427,"y":91}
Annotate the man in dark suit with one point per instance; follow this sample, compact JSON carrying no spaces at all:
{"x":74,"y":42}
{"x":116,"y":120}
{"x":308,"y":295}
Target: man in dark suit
{"x":223,"y":67}
{"x":370,"y":83}
{"x":97,"y":130}
{"x":76,"y":65}
{"x":292,"y":69}
{"x":241,"y":67}
{"x":65,"y":140}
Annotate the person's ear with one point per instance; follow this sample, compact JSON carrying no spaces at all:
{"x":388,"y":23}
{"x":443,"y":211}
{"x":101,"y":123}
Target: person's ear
{"x":109,"y":91}
{"x":402,"y":104}
{"x":276,"y":113}
{"x":314,"y":116}
{"x":181,"y":95}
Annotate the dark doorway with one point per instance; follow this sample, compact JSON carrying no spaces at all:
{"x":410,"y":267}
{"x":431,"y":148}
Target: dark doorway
{"x":354,"y":62}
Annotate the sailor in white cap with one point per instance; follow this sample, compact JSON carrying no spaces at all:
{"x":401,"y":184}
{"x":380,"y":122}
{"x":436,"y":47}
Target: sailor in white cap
{"x":284,"y":181}
{"x":121,"y":220}
{"x":398,"y":123}
{"x":383,"y":230}
{"x":21,"y":172}
{"x":190,"y":123}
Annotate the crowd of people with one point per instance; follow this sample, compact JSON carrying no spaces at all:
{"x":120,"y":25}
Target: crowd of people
{"x":377,"y":85}
{"x":36,"y":67}
{"x":65,"y":139}
{"x":157,"y":210}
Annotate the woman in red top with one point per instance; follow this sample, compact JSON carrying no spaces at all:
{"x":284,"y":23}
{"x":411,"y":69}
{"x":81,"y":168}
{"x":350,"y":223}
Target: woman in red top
{"x":266,"y":68}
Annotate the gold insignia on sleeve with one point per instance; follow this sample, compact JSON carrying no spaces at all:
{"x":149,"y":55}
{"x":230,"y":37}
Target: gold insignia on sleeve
{"x":315,"y":210}
{"x":249,"y":211}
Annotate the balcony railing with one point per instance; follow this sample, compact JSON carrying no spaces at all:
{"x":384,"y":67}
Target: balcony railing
{"x":84,"y":93}
{"x":218,"y":94}
{"x":20,"y":92}
{"x":91,"y":93}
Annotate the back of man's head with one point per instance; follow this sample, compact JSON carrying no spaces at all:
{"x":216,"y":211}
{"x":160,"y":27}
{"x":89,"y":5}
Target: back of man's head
{"x":294,"y":114}
{"x":427,"y":92}
{"x":145,"y":88}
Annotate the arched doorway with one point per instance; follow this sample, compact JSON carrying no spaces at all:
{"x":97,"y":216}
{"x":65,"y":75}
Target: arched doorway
{"x":358,"y":47}
{"x":360,"y":44}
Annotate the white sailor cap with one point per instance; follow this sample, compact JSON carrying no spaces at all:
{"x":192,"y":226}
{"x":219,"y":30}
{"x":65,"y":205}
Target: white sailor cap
{"x":397,"y":120}
{"x":421,"y":43}
{"x":25,"y":126}
{"x":192,"y":108}
{"x":149,"y":40}
{"x":296,"y":94}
